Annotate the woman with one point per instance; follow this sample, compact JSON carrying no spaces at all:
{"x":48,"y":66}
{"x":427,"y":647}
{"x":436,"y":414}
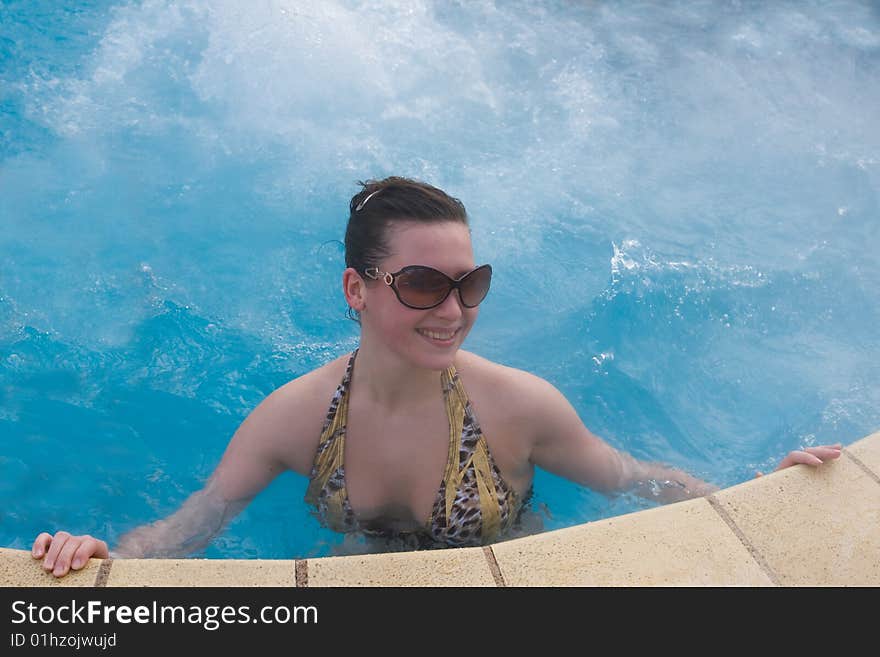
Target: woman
{"x":423,"y":444}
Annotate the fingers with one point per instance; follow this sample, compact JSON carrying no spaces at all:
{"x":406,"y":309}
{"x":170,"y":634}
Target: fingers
{"x":62,"y":562}
{"x":811,"y":455}
{"x":789,"y":460}
{"x":824,"y":452}
{"x":807,"y":458}
{"x":41,"y":544}
{"x":90,"y":547}
{"x":55,"y":546}
{"x":799,"y":456}
{"x":62,"y":552}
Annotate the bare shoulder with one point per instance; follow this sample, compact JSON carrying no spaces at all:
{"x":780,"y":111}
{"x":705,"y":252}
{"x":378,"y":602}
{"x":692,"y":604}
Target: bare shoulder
{"x":515,"y":409}
{"x":288,"y":422}
{"x":518,"y":391}
{"x":314,"y":387}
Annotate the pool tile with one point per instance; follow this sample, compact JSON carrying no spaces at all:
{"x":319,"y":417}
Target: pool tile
{"x":19,"y":568}
{"x":812,"y":526}
{"x":201,"y":572}
{"x":683,"y":544}
{"x":454,"y":567}
{"x":867,"y":450}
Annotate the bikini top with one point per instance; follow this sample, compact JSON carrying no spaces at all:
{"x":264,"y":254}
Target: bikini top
{"x":474,"y":505}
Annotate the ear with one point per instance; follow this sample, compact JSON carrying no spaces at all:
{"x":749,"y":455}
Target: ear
{"x":354,"y":288}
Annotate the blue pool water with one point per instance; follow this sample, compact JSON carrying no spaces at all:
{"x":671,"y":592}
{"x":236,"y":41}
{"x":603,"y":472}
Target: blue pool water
{"x":680,"y":201}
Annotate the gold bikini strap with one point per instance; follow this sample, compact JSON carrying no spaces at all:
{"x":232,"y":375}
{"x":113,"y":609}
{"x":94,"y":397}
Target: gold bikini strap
{"x":456,"y":405}
{"x":329,"y":457}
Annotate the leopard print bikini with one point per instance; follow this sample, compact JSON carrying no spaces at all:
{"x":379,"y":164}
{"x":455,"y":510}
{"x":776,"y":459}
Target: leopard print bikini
{"x":474,"y":505}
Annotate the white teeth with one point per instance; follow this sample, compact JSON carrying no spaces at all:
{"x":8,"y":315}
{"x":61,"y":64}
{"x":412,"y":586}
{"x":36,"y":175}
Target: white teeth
{"x":437,"y":335}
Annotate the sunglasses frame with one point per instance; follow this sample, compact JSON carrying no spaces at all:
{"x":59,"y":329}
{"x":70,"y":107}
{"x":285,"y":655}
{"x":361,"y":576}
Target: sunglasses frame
{"x":390,"y":279}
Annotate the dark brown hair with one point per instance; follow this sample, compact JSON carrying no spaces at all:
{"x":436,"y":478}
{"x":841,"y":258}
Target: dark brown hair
{"x":380,"y":204}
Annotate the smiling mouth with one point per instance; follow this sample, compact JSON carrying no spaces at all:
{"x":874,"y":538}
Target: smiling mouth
{"x":443,"y":336}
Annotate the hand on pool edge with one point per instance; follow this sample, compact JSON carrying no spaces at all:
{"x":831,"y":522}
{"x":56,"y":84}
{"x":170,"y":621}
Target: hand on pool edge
{"x":63,"y":552}
{"x":809,"y":456}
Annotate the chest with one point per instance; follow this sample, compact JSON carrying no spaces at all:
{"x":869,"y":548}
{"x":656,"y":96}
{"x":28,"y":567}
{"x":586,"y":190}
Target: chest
{"x":394,"y":464}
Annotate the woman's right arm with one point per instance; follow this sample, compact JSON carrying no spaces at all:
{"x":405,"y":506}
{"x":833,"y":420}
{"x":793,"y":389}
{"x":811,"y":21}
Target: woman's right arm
{"x":280,"y":434}
{"x":199,"y":519}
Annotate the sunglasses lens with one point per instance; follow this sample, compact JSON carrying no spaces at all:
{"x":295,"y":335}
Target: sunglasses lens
{"x":422,"y":287}
{"x":475,"y":286}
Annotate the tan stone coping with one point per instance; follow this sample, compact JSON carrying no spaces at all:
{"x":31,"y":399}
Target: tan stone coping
{"x":801,"y":526}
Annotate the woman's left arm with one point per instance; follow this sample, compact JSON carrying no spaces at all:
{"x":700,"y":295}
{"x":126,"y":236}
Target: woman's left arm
{"x":564,"y":446}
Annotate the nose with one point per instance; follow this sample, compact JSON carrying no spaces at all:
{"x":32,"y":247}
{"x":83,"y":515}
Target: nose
{"x":451,"y":308}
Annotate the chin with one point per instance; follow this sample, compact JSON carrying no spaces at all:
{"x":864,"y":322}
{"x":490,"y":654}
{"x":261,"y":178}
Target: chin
{"x":432,"y":358}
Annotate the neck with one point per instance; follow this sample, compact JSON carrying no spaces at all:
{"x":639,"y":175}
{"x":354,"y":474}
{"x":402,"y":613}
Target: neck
{"x":391,"y":383}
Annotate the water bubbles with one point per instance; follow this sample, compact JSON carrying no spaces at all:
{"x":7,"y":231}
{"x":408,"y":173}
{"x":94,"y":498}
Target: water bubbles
{"x":657,"y":487}
{"x":602,"y":358}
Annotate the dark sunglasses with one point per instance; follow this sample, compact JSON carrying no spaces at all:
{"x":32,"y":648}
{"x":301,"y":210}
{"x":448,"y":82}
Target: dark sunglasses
{"x":420,"y":287}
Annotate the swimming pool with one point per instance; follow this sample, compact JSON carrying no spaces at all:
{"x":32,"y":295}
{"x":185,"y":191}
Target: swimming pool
{"x":680,"y":203}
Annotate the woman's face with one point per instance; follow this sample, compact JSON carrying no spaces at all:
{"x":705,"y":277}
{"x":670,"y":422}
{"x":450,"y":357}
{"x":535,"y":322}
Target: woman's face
{"x":425,"y":338}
